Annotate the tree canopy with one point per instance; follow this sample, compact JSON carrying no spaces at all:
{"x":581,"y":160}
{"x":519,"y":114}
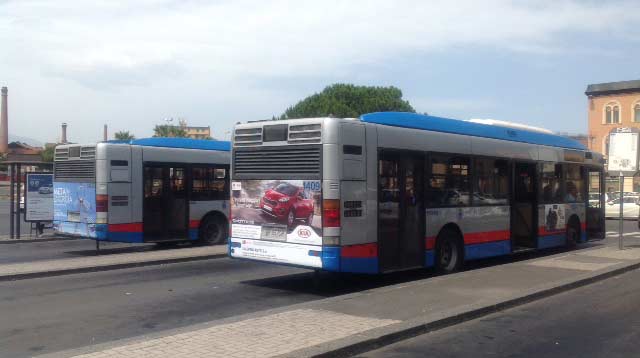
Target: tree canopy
{"x":48,"y":153}
{"x":165,"y":130}
{"x":123,"y":135}
{"x":347,"y":100}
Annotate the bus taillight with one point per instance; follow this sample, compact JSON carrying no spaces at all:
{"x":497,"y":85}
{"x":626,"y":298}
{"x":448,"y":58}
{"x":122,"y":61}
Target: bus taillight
{"x":102,"y":203}
{"x":331,"y":213}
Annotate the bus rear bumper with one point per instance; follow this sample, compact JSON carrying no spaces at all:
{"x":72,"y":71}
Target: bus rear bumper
{"x":327,"y":258}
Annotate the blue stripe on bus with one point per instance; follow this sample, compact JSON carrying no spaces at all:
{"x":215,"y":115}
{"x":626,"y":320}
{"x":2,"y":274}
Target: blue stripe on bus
{"x":193,"y":234}
{"x":545,"y":242}
{"x":359,"y":264}
{"x":583,"y":236}
{"x":447,"y":125}
{"x":331,"y":258}
{"x":489,"y":249}
{"x":187,"y":143}
{"x":429,"y":258}
{"x":333,"y":261}
{"x":130,"y":237}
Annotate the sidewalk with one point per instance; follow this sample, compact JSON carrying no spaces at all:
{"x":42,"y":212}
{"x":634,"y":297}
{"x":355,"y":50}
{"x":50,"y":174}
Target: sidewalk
{"x":107,"y":262}
{"x":358,"y":322}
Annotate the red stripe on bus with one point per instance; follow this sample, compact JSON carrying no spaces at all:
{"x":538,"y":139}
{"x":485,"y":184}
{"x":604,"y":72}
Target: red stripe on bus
{"x":360,"y":251}
{"x":583,"y":226}
{"x":487,"y":236}
{"x":131,"y":227}
{"x":194,"y":224}
{"x":542,"y":231}
{"x":430,"y":243}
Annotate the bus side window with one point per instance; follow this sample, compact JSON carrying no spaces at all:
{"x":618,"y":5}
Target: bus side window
{"x":208,"y":183}
{"x":448,"y":184}
{"x":550,"y":180}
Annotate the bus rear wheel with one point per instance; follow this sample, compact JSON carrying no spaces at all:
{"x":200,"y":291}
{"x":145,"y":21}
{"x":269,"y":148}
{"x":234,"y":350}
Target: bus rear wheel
{"x":449,"y":254}
{"x":213,"y":231}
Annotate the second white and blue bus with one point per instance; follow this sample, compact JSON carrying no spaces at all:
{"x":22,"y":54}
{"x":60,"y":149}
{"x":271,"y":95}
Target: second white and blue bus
{"x":160,"y":190}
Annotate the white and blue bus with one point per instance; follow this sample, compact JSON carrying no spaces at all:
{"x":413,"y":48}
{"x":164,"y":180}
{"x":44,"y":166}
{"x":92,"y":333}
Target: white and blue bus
{"x":394,"y":191}
{"x":144,"y":190}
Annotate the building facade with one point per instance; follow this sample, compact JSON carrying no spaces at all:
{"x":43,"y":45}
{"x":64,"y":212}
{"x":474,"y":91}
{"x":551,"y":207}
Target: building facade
{"x":198,"y":132}
{"x":613,"y":105}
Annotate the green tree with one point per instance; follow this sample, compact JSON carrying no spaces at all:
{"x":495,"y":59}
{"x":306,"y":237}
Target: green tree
{"x":47,"y":153}
{"x":166,"y":130}
{"x":124,"y":135}
{"x":347,"y":100}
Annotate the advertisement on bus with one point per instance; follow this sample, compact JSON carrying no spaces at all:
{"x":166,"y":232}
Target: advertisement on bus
{"x":39,"y":197}
{"x":74,"y":208}
{"x":277,"y":220}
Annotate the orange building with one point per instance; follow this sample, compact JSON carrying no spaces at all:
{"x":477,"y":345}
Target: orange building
{"x":612,"y":105}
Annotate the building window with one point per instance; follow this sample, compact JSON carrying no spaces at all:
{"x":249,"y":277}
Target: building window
{"x":636,"y":112}
{"x":612,"y":113}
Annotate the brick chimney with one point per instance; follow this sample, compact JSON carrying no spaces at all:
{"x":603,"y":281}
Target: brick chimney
{"x":4,"y":122}
{"x":63,"y":138}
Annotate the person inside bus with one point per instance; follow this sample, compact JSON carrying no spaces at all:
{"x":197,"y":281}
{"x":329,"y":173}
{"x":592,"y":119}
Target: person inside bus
{"x":572,"y":193}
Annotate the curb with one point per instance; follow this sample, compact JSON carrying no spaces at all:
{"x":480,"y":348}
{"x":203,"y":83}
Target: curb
{"x":385,"y":336}
{"x":62,"y":272}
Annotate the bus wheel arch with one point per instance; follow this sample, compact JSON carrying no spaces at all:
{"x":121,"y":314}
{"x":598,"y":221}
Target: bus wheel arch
{"x":573,"y":231}
{"x":213,"y":229}
{"x":449,"y":249}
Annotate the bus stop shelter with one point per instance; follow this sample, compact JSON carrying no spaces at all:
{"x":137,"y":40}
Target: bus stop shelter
{"x":18,"y":168}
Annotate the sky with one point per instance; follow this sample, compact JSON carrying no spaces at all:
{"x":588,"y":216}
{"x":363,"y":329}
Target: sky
{"x":133,"y":64}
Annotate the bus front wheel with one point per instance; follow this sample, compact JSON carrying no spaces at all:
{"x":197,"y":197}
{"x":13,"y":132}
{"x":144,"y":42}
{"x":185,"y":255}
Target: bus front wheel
{"x":213,"y":231}
{"x":449,"y":254}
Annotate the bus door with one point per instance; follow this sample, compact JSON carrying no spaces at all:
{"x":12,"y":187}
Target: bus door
{"x":524,"y":206}
{"x":400,"y":211}
{"x":595,"y":204}
{"x":165,"y":208}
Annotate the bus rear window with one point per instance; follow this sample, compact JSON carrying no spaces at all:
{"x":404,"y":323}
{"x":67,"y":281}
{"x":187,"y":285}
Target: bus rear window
{"x":274,"y":133}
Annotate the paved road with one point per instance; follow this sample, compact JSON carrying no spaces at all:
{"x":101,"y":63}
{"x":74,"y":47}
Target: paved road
{"x":56,"y":313}
{"x":600,"y":320}
{"x":49,"y":250}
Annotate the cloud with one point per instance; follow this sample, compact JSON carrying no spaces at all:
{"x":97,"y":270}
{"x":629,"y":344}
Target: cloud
{"x":122,"y":43}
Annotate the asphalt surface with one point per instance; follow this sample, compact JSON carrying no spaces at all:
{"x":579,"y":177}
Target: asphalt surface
{"x":50,"y":250}
{"x":599,"y":320}
{"x":46,"y":315}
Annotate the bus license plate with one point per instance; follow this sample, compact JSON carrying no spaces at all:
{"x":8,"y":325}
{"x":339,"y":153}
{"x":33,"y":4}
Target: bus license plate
{"x":275,"y":233}
{"x":73,"y":216}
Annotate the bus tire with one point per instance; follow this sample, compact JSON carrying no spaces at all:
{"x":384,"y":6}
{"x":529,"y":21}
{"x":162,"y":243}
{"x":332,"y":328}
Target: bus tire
{"x":449,"y":251}
{"x":213,"y":230}
{"x":573,"y":233}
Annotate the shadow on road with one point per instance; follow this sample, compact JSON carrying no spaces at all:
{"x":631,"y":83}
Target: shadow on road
{"x":327,"y":284}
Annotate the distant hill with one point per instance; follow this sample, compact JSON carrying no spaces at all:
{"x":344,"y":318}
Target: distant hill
{"x":32,"y":142}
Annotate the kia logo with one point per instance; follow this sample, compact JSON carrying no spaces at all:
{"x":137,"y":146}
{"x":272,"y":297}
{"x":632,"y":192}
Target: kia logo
{"x":304,"y":233}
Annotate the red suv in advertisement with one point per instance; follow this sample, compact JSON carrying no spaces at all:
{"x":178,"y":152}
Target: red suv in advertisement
{"x":287,"y":202}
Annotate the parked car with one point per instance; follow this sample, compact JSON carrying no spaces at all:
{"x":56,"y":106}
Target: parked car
{"x":288,"y":202}
{"x":630,"y":208}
